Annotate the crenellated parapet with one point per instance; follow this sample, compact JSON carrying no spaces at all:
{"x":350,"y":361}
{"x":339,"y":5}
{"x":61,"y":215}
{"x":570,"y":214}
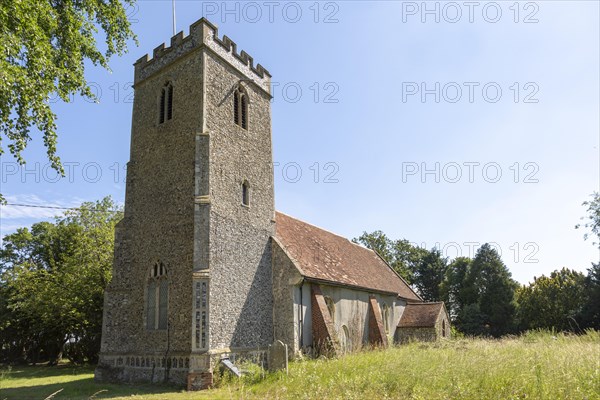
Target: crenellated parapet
{"x":202,"y":33}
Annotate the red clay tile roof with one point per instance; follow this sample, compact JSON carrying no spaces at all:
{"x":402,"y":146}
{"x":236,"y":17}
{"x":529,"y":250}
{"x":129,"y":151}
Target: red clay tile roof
{"x":420,"y":315}
{"x":322,"y":255}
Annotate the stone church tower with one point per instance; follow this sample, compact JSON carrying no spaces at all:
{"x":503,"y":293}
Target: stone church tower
{"x":192,"y":271}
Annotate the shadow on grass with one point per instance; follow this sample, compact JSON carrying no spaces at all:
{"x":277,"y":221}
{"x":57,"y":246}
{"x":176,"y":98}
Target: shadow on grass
{"x":67,"y":382}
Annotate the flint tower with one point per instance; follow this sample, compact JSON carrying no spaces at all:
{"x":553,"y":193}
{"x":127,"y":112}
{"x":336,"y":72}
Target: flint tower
{"x":192,"y":268}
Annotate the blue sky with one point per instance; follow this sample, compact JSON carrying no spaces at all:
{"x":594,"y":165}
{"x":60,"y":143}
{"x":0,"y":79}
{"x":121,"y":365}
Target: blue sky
{"x":369,"y":130}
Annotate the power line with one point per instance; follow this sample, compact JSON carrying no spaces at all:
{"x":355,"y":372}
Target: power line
{"x":59,"y":208}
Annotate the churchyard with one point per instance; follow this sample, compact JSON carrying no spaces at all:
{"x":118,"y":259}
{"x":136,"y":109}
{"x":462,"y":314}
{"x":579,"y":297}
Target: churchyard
{"x":536,"y":365}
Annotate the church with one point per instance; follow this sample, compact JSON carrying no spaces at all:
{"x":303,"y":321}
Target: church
{"x":205,"y":268}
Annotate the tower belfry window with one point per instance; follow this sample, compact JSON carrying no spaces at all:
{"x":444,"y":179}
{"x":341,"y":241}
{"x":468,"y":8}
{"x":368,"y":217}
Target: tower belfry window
{"x":244,"y":102}
{"x":166,"y":103}
{"x":246,"y":193}
{"x":169,"y":102}
{"x":240,"y":107}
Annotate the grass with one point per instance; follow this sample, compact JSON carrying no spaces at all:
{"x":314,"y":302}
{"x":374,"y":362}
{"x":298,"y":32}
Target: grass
{"x":73,"y":382}
{"x":533,"y":366}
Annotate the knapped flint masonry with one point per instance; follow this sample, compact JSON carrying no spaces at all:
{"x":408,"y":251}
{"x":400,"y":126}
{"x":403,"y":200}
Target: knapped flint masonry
{"x":204,"y":268}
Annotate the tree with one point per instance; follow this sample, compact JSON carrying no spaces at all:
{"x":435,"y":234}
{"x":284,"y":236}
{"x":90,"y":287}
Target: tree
{"x":401,"y":255}
{"x":451,"y":289}
{"x":379,"y":243}
{"x":591,"y":310}
{"x":429,"y":274}
{"x":472,"y":321}
{"x":406,"y":259}
{"x":32,"y":261}
{"x":54,"y":277}
{"x":489,"y":285}
{"x":552,"y":302}
{"x":45,"y":46}
{"x":590,"y":314}
{"x":593,"y":218}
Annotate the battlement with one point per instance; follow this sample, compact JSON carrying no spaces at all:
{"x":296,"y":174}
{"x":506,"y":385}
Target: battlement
{"x":202,"y":33}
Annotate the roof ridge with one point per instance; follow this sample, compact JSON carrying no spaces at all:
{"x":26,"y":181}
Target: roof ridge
{"x":318,"y":227}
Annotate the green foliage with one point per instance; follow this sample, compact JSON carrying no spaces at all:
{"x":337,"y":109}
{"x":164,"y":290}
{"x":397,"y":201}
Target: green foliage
{"x":471,"y":321}
{"x":45,"y":46}
{"x":590,"y":314}
{"x":553,"y":302}
{"x":400,"y":254}
{"x":429,"y":275}
{"x":52,"y":282}
{"x":378,"y":242}
{"x":406,"y":258}
{"x":488,"y":284}
{"x":451,"y":288}
{"x":593,"y":219}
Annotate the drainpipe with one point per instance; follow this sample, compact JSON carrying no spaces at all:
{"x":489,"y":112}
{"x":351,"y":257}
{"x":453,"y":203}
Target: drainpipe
{"x":301,"y":339}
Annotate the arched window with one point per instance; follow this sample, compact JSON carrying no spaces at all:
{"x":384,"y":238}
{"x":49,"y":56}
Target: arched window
{"x":166,"y":103}
{"x":331,"y":307}
{"x":244,"y":101}
{"x":246,"y":193}
{"x":157,"y":297}
{"x":443,"y":328}
{"x":240,"y":107}
{"x":385,"y":315}
{"x":345,"y":343}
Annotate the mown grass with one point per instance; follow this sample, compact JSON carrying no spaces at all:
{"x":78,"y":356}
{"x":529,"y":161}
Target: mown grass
{"x":71,"y":382}
{"x":533,"y":366}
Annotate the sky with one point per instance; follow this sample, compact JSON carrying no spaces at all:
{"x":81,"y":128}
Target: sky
{"x":449,"y":124}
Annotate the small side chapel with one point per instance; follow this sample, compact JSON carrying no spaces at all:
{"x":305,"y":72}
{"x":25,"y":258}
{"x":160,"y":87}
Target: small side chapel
{"x":204,"y":267}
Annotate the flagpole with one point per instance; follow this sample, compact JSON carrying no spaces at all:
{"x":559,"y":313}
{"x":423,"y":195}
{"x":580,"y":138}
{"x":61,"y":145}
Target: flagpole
{"x":174,"y":21}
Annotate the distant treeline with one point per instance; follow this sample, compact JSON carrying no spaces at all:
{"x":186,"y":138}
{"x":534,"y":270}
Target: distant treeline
{"x":52,"y":280}
{"x":481,"y":296}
